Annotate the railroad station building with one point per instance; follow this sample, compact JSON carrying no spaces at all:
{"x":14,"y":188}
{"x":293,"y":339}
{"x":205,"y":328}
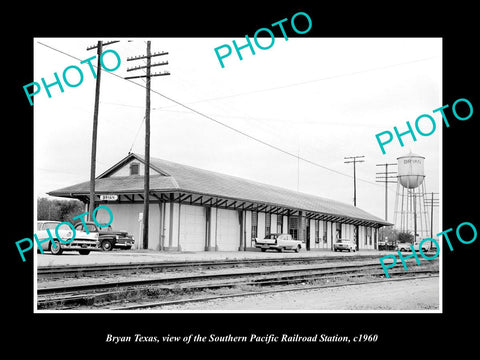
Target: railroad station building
{"x":192,"y":209}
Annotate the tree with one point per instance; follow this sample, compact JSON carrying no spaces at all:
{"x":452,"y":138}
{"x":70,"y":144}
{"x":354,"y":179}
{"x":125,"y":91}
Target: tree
{"x":405,"y":237}
{"x":388,"y":233}
{"x":58,"y":209}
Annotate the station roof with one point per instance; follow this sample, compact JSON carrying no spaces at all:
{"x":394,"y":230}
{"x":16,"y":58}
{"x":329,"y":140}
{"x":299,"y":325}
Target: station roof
{"x":186,"y":184}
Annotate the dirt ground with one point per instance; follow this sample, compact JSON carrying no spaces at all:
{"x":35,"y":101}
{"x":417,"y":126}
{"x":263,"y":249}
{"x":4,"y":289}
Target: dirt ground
{"x":418,"y":294}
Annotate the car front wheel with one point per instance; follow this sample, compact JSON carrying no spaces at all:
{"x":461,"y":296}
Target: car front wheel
{"x":57,"y":249}
{"x":106,"y":245}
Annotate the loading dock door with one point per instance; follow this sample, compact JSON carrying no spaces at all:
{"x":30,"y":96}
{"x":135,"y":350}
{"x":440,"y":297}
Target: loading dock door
{"x":192,"y":228}
{"x":228,"y":230}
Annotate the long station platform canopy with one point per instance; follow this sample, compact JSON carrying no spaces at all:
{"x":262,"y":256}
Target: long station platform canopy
{"x":173,"y":182}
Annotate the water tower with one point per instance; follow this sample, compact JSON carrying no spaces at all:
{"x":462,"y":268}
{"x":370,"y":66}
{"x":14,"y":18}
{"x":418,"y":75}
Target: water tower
{"x":410,"y":212}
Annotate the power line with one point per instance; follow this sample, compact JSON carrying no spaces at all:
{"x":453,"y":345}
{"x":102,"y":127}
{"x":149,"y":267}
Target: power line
{"x":136,"y":135}
{"x":314,"y":80}
{"x":251,"y":137}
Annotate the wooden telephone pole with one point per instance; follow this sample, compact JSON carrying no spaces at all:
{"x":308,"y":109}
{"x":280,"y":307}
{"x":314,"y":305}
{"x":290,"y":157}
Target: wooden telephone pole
{"x":354,"y":161}
{"x":386,"y":178}
{"x":432,"y":202}
{"x":148,"y":75}
{"x":93,"y":158}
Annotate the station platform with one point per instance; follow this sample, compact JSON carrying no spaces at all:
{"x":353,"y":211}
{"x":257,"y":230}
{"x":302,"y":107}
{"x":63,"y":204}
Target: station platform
{"x":136,"y":256}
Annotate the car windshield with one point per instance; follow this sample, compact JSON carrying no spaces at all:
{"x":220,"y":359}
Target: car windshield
{"x":271,"y":236}
{"x":64,"y":227}
{"x":90,"y":227}
{"x":47,"y":225}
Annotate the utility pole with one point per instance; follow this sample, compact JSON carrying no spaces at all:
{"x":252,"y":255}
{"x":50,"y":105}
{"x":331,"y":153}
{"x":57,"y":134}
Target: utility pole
{"x":298,"y":170}
{"x":354,"y":161}
{"x":432,"y":202}
{"x":148,"y":66}
{"x":93,"y":158}
{"x":385,"y":177}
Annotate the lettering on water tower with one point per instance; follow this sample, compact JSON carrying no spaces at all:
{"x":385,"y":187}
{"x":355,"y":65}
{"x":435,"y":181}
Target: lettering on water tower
{"x":412,"y":161}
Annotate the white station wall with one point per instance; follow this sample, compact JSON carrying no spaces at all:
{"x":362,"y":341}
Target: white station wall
{"x":126,"y":217}
{"x":186,"y":226}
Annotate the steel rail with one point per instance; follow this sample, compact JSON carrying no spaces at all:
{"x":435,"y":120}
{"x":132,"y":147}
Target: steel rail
{"x":84,"y":269}
{"x":192,"y":277}
{"x":90,"y":298}
{"x":272,"y":280}
{"x":253,"y":293}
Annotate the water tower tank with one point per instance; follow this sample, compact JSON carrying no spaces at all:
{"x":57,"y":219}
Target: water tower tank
{"x":410,"y":170}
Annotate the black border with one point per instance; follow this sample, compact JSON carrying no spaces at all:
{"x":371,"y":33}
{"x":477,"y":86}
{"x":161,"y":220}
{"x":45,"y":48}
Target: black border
{"x":84,"y":334}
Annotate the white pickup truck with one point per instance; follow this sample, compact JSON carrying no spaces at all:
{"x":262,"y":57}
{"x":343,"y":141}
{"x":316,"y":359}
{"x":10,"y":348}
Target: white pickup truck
{"x":278,"y":242}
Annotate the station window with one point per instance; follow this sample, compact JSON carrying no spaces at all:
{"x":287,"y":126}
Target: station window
{"x":268,"y":223}
{"x":294,"y":233}
{"x":324,"y":232}
{"x":338,"y":231}
{"x":306,"y":235}
{"x":317,"y":231}
{"x":254,"y":224}
{"x":279,"y":223}
{"x":134,"y":168}
{"x":293,"y":226}
{"x":369,"y":235}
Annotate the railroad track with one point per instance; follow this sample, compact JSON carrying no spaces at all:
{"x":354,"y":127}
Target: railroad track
{"x":48,"y":272}
{"x":160,"y":304}
{"x":174,"y":288}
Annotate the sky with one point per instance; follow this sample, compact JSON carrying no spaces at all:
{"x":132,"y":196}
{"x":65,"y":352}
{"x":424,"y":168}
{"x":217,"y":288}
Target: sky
{"x":320,"y":99}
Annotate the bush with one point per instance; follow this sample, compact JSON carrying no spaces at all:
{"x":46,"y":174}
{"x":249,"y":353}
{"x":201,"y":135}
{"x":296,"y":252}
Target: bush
{"x":405,"y":237}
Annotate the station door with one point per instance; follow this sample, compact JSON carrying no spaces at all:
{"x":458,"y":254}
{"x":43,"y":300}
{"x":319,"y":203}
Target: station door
{"x":228,"y":230}
{"x":192,"y":228}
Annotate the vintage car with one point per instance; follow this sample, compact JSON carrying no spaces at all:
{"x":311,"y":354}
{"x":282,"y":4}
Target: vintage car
{"x":406,"y":246}
{"x":344,"y":244}
{"x":278,"y":242}
{"x":109,"y":238}
{"x":83,"y":242}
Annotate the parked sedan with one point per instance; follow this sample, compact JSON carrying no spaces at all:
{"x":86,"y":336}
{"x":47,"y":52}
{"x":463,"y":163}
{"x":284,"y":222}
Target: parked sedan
{"x":108,"y":237}
{"x":344,"y":244}
{"x":278,"y":242}
{"x":403,"y":247}
{"x":83,"y":242}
